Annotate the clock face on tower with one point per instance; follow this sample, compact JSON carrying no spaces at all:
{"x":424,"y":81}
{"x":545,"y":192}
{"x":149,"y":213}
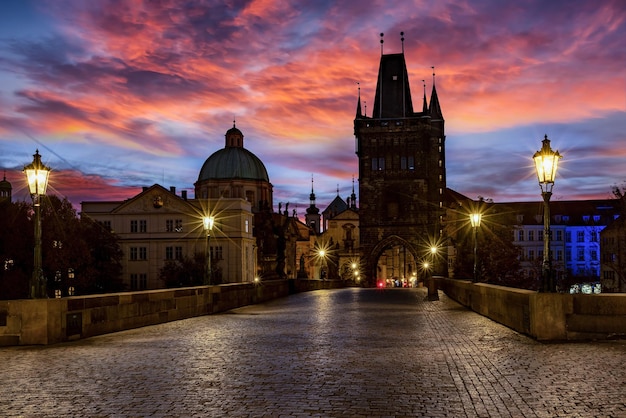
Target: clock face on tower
{"x":157,"y":202}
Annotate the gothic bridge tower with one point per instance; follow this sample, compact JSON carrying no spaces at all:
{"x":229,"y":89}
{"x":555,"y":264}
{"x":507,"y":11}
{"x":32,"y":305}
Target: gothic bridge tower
{"x":402,"y":179}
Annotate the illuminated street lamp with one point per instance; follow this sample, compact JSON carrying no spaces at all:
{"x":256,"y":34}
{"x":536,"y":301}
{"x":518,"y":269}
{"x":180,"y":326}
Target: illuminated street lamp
{"x":475,"y":219}
{"x":546,"y":163}
{"x":322,"y":256}
{"x":208,"y":222}
{"x":37,"y":175}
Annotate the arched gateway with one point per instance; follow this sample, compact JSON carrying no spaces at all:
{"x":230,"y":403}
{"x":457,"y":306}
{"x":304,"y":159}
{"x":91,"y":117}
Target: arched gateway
{"x":402,"y":175}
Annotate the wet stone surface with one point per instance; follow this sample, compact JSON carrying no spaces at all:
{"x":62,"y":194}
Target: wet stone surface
{"x":331,"y":353}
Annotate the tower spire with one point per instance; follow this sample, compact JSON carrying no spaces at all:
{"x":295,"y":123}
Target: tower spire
{"x":435,"y":108}
{"x":425,"y":106}
{"x":358,"y":105}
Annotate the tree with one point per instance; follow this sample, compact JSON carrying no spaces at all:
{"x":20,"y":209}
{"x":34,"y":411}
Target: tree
{"x":78,"y":254}
{"x":16,"y":249}
{"x":187,"y":271}
{"x":497,"y":255}
{"x":104,"y":273}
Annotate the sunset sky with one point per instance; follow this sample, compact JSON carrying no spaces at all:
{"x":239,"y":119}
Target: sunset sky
{"x":119,"y":94}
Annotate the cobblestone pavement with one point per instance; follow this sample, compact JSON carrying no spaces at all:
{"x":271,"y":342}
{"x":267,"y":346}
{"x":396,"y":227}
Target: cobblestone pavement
{"x":331,"y":353}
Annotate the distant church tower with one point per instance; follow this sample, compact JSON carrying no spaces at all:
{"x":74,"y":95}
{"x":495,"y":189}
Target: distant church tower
{"x":5,"y":190}
{"x":402,"y":175}
{"x":312,"y":217}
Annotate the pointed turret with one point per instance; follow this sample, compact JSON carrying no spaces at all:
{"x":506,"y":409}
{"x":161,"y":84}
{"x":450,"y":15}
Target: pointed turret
{"x":425,"y":105}
{"x":359,"y":115}
{"x":435,"y":109}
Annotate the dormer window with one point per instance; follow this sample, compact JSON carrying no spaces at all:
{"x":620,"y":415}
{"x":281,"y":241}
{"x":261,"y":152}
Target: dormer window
{"x":586,"y":218}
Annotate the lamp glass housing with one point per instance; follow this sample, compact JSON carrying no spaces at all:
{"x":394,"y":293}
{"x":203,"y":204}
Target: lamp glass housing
{"x":546,"y":163}
{"x":208,"y":222}
{"x":37,"y":176}
{"x":475,"y":219}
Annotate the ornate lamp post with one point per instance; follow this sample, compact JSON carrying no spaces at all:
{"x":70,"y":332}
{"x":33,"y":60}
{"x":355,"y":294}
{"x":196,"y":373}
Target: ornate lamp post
{"x":37,"y":175}
{"x":208,"y":222}
{"x":475,"y":219}
{"x":546,"y":163}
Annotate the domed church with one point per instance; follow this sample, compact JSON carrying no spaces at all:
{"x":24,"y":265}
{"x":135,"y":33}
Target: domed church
{"x":249,"y":239}
{"x":235,"y":172}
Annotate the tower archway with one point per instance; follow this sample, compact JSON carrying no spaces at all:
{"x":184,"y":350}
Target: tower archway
{"x":393,"y":262}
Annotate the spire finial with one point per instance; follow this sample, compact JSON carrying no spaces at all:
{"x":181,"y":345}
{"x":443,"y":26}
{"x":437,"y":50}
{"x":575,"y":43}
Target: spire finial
{"x":233,"y":121}
{"x":402,"y":40}
{"x":382,"y":41}
{"x":337,"y":189}
{"x":433,"y":67}
{"x":365,"y":106}
{"x":311,"y":183}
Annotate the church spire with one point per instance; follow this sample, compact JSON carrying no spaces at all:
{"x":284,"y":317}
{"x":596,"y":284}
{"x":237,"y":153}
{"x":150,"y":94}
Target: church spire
{"x":353,"y":197}
{"x":312,"y":216}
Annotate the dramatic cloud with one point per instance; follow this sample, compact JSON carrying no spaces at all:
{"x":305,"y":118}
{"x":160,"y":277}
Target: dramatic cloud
{"x":121,"y":94}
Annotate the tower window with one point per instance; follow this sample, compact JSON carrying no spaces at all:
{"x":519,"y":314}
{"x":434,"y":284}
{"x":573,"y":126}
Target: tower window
{"x":378,"y":163}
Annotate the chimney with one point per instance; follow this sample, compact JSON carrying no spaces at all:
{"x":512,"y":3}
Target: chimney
{"x":173,"y":189}
{"x":183,"y":194}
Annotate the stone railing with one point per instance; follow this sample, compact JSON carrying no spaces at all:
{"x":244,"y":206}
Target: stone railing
{"x":544,"y":316}
{"x":50,"y":321}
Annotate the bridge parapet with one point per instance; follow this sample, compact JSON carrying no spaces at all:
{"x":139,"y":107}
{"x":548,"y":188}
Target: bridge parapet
{"x":50,"y":321}
{"x":544,"y":316}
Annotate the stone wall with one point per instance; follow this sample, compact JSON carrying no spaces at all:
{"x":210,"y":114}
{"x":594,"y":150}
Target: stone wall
{"x":50,"y":321}
{"x":544,"y":316}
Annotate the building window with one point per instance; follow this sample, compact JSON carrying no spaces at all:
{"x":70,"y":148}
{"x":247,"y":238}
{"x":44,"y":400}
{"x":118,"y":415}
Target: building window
{"x":568,"y":236}
{"x":594,"y":255}
{"x":247,"y":225}
{"x":133,"y":253}
{"x":540,"y":235}
{"x":580,"y":254}
{"x":216,"y":253}
{"x":520,"y":235}
{"x":143,"y":253}
{"x":580,"y":236}
{"x":378,"y":163}
{"x":133,"y":226}
{"x":531,"y":235}
{"x":178,"y":253}
{"x":407,"y":163}
{"x":107,"y":225}
{"x":568,"y":256}
{"x":531,"y":255}
{"x":143,"y":281}
{"x":174,"y":225}
{"x":169,"y":253}
{"x":594,"y":236}
{"x":559,"y":235}
{"x":133,"y":281}
{"x":559,"y":255}
{"x":143,"y":225}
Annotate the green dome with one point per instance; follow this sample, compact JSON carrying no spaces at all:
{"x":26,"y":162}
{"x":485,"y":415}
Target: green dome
{"x":233,"y":163}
